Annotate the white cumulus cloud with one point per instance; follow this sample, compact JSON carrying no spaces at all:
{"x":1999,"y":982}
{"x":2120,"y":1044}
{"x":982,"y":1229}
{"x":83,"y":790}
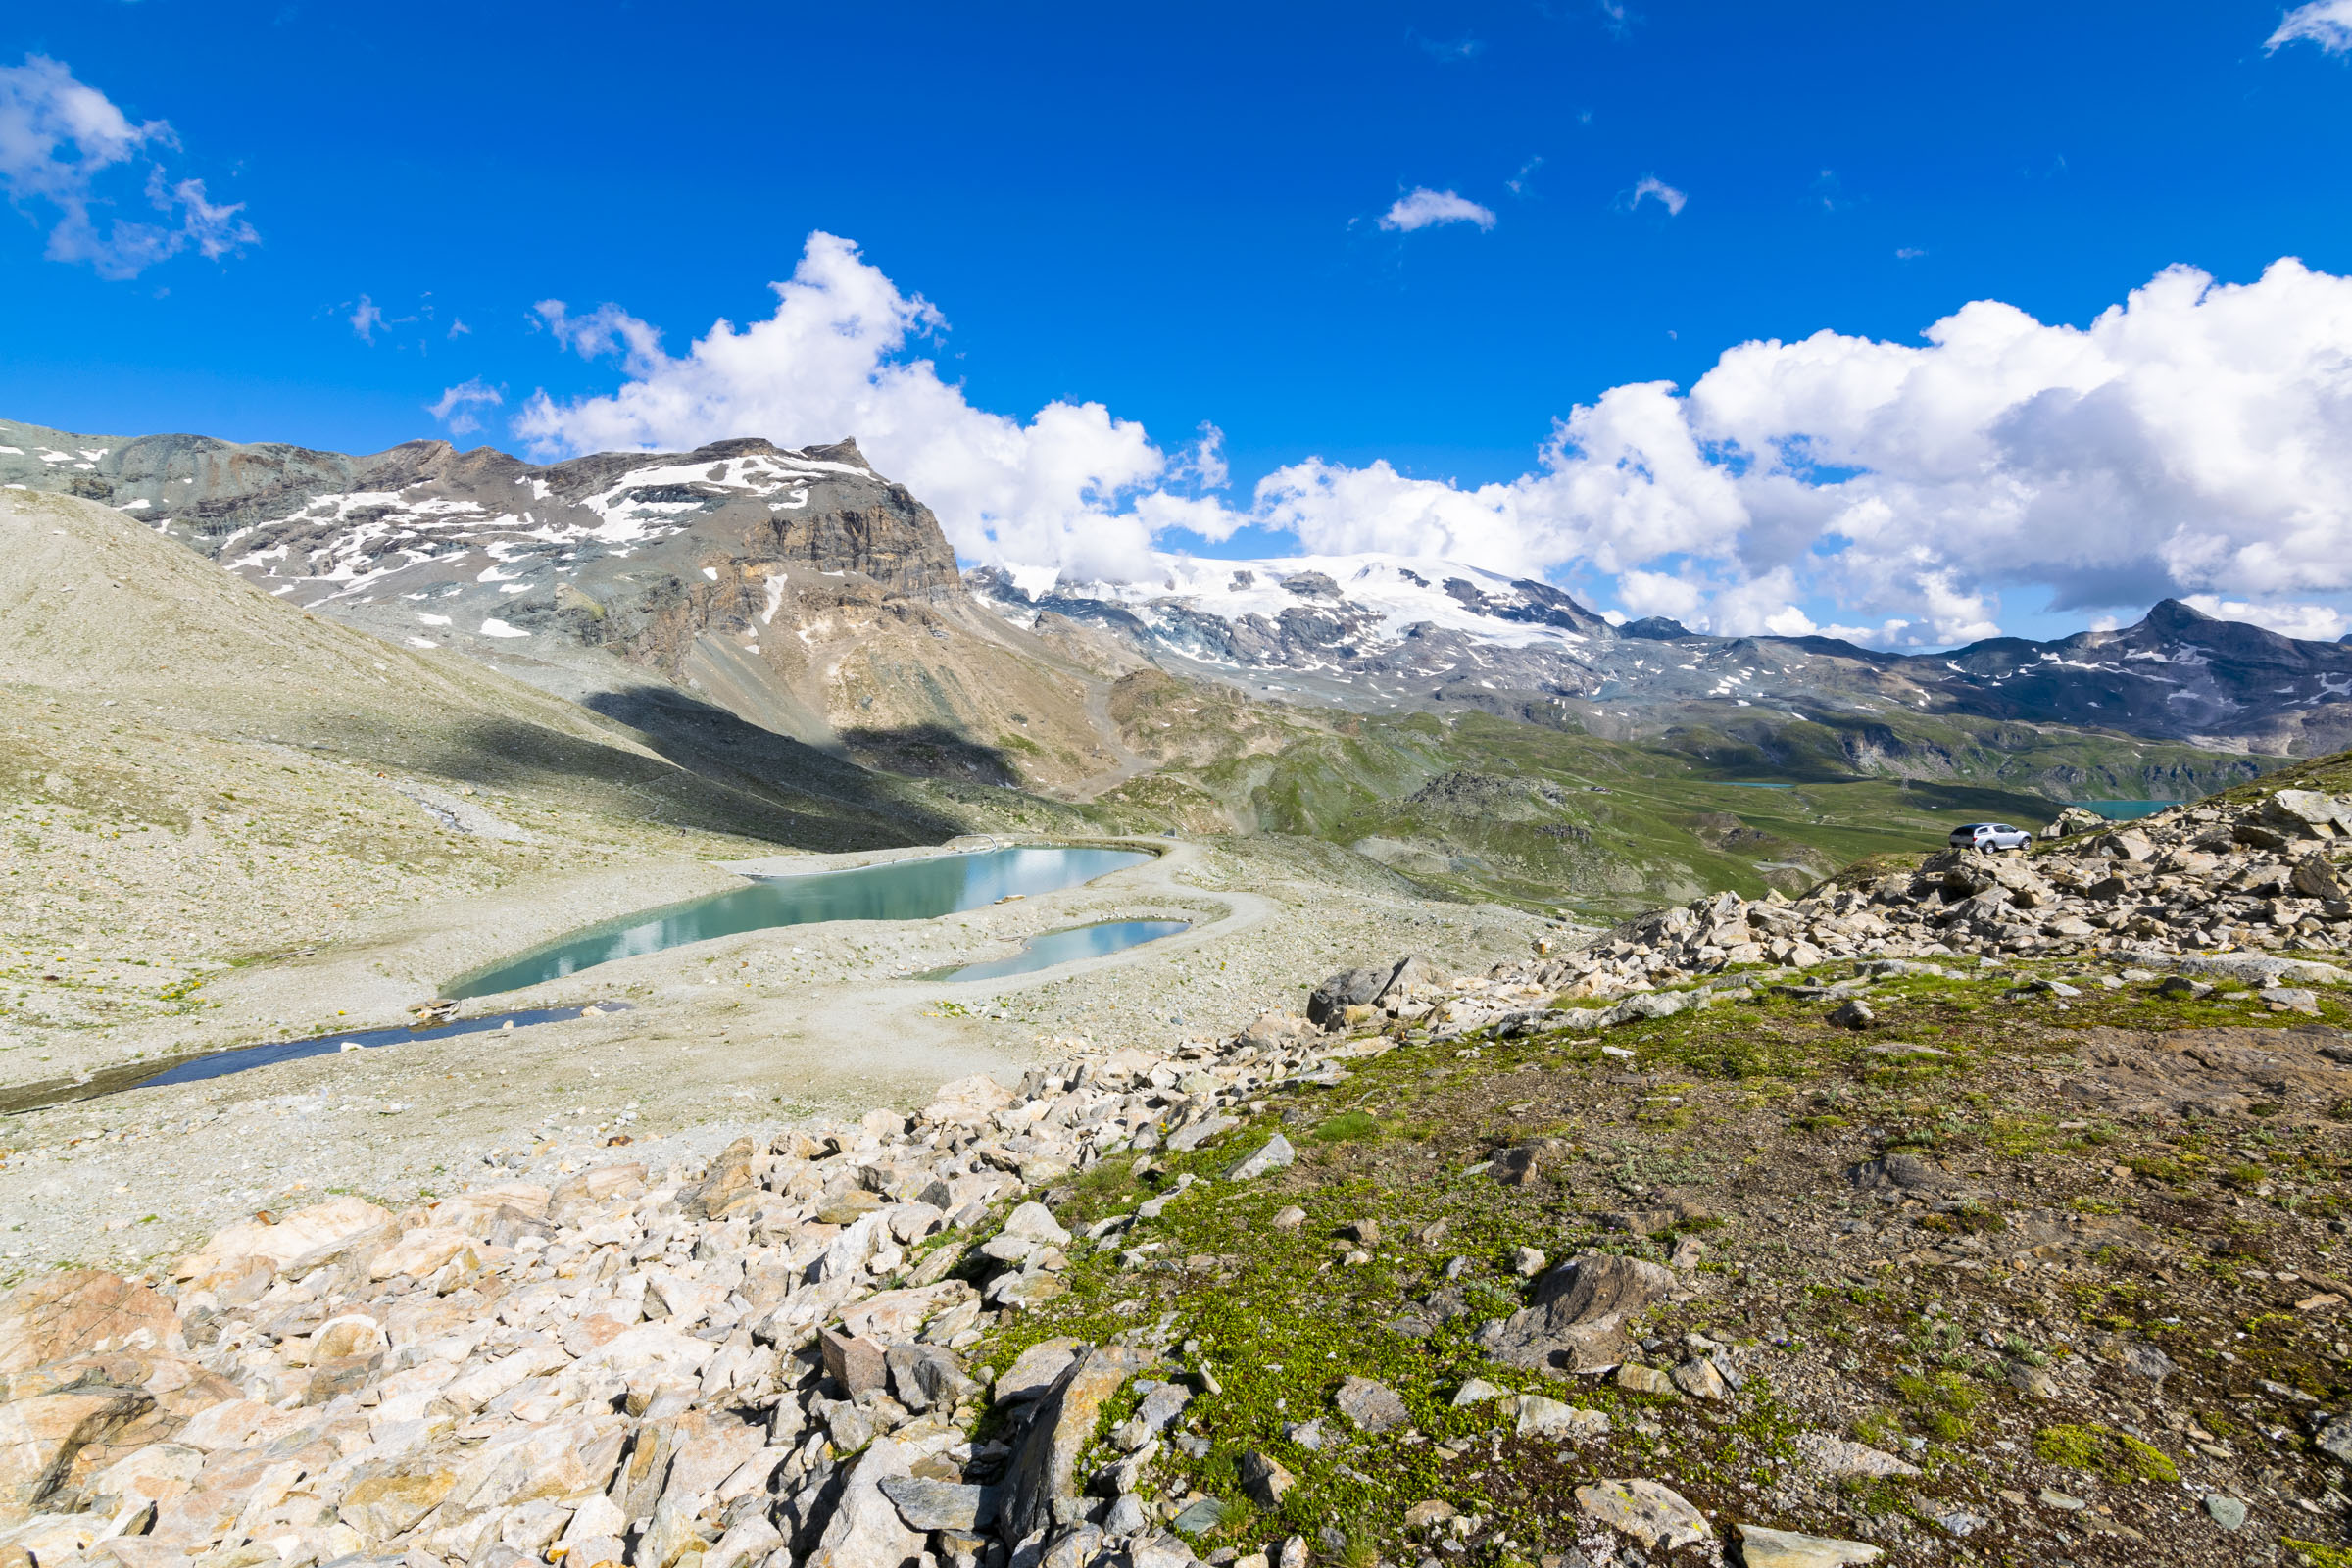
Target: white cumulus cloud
{"x":1652,"y":188}
{"x":59,"y":139}
{"x":2326,"y":23}
{"x":1423,"y":208}
{"x":2312,"y":622}
{"x":831,"y":363}
{"x":456,"y":405}
{"x":2196,"y":439}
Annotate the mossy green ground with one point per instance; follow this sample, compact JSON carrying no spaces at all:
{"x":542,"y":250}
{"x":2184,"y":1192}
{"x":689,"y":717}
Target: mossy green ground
{"x":1750,"y":1112}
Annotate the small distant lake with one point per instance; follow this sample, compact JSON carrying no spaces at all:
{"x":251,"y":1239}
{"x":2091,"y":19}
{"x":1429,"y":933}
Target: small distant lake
{"x":1063,"y":946}
{"x":898,"y":890}
{"x":2125,"y":811}
{"x":1752,"y":784}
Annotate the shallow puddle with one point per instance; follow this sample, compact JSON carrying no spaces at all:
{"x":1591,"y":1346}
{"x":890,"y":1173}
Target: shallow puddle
{"x":1061,"y":947}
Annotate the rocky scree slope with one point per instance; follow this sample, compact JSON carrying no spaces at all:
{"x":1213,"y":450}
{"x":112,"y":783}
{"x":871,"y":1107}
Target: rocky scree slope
{"x":1317,"y":1291}
{"x":200,"y":774}
{"x":2209,"y":879}
{"x":1383,"y":633}
{"x":798,"y":592}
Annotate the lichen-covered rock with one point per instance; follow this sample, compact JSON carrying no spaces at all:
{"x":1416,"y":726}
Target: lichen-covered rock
{"x":1656,"y":1516}
{"x":1760,"y":1548}
{"x":1273,"y":1155}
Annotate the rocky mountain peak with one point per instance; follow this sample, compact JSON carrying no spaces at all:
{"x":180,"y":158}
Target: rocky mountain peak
{"x":1376,"y":632}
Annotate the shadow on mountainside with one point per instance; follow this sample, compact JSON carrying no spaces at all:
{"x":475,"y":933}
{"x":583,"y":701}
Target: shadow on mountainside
{"x":932,"y":751}
{"x":801,"y":781}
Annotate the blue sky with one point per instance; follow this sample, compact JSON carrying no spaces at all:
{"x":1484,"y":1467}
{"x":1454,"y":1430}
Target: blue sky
{"x":1177,"y":213}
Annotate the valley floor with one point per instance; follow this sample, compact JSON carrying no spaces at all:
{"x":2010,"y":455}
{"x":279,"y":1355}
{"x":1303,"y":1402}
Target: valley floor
{"x":785,"y":1023}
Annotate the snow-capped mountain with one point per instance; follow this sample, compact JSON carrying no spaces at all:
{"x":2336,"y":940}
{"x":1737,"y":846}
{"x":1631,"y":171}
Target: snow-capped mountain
{"x":810,"y":596}
{"x":1384,"y":631}
{"x":794,"y":590}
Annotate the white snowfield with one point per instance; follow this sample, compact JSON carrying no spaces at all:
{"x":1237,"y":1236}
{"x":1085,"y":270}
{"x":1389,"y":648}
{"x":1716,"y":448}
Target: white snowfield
{"x":357,"y":541}
{"x":1403,"y":591}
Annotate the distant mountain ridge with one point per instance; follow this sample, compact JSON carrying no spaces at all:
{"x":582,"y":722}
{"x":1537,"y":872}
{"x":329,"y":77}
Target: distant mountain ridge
{"x":804,"y":593}
{"x":796,"y":589}
{"x":1388,"y":632}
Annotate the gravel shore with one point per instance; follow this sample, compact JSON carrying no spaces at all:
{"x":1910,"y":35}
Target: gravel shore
{"x":795,"y":1021}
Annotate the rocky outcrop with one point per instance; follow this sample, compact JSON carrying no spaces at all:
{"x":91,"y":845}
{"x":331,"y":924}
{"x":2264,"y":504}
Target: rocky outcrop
{"x":1575,"y":1321}
{"x":797,"y":591}
{"x":427,"y":517}
{"x":2253,"y":891}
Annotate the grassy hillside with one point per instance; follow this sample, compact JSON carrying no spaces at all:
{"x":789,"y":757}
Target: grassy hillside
{"x":1476,"y":805}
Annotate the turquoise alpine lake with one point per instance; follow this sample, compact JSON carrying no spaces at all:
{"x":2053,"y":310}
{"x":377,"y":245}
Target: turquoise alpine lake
{"x":1063,"y":946}
{"x":897,"y":890}
{"x":2125,"y":811}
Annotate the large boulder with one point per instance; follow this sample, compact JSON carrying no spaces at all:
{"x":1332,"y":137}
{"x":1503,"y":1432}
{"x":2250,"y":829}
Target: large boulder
{"x":2073,"y":820}
{"x":1327,"y":1008}
{"x":730,"y":1178}
{"x":51,"y":1438}
{"x":1047,"y":1466}
{"x":867,"y":1528}
{"x":968,"y":1101}
{"x":1656,"y":1516}
{"x":2308,"y":809}
{"x":1576,"y":1320}
{"x":282,"y":1241}
{"x":593,"y":1189}
{"x":1036,"y":1371}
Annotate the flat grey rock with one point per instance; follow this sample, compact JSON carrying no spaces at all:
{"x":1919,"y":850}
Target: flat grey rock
{"x":927,"y":1504}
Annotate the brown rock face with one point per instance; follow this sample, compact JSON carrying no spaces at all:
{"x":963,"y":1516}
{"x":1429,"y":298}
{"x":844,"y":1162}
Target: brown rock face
{"x":729,"y":1178}
{"x":2211,"y":1072}
{"x":75,"y":1312}
{"x":856,"y":1363}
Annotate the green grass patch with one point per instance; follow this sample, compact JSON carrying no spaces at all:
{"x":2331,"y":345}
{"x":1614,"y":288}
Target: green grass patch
{"x":1350,"y":1127}
{"x":2311,"y":1554}
{"x":2105,"y":1452}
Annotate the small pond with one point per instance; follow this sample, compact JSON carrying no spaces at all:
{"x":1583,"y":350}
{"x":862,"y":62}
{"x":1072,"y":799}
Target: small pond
{"x":1063,"y":946}
{"x":899,"y":890}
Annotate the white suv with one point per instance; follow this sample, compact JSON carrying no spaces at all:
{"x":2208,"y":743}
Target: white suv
{"x":1989,"y":836}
